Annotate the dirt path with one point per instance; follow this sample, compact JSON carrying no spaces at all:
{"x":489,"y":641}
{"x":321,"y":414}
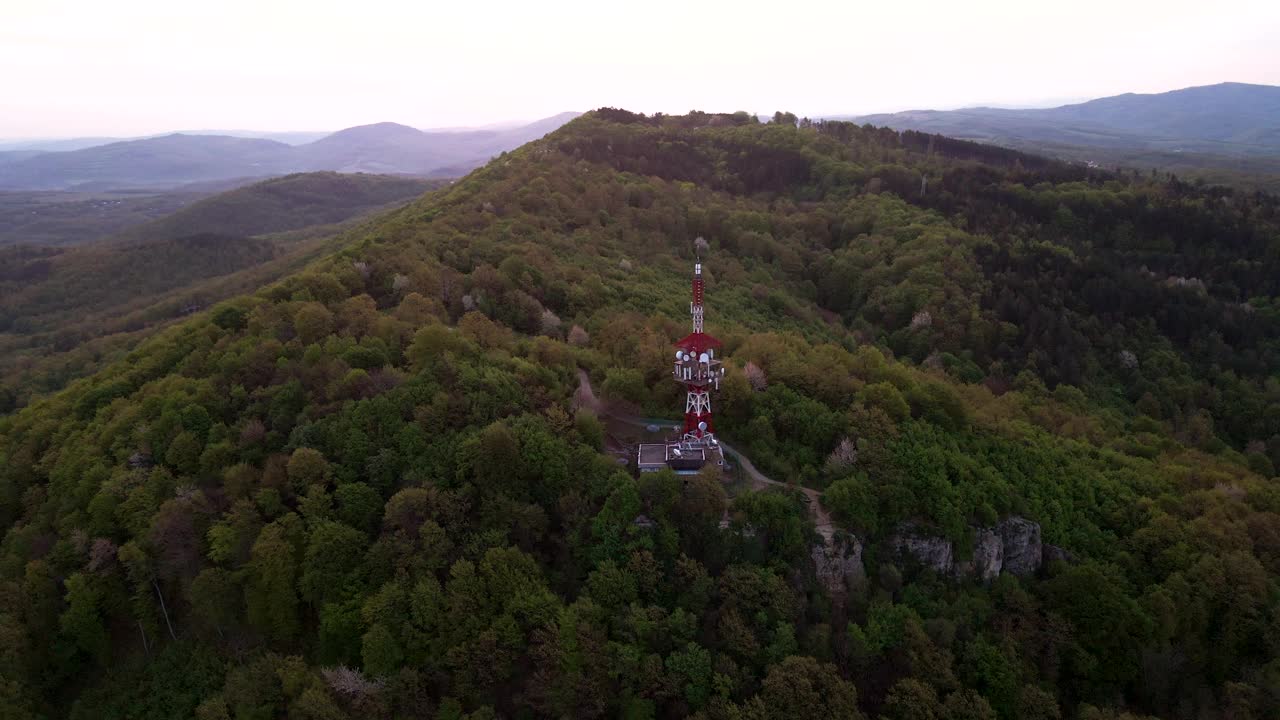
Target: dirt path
{"x":821,"y":518}
{"x":585,"y":396}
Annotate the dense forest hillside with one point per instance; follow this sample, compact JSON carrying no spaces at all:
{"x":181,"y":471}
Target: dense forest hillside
{"x":367,"y":490}
{"x":64,"y":310}
{"x":1226,"y":133}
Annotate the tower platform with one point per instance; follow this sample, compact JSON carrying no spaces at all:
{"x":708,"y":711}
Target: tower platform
{"x":685,"y":457}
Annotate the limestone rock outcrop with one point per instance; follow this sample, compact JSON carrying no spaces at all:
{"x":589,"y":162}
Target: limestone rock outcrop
{"x":988,"y":556}
{"x":1022,"y":547}
{"x":838,"y":563}
{"x":1012,"y":546}
{"x":932,"y":552}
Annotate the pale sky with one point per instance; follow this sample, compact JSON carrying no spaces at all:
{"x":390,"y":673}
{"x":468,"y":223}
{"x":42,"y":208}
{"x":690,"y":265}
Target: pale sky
{"x":132,"y":67}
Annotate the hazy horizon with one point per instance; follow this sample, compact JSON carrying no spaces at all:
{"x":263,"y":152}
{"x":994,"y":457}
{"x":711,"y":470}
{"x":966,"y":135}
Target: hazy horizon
{"x":143,"y":67}
{"x":509,"y":123}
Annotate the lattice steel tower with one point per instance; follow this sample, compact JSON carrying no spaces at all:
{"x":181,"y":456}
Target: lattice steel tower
{"x":698,"y":368}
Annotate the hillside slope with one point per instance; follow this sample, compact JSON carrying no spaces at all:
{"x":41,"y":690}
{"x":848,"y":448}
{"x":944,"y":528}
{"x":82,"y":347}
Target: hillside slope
{"x":366,"y":490}
{"x":280,"y":204}
{"x":61,"y":308}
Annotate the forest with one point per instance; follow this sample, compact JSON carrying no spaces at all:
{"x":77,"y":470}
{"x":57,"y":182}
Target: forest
{"x":366,"y":490}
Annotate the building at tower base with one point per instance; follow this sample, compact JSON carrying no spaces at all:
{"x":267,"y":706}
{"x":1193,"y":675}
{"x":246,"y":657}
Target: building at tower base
{"x":684,"y":457}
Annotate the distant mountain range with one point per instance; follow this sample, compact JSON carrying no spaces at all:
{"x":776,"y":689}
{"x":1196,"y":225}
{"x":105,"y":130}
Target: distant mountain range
{"x":1225,"y":133}
{"x":39,"y":145}
{"x":1229,"y":118}
{"x":1229,"y":127}
{"x":177,"y":159}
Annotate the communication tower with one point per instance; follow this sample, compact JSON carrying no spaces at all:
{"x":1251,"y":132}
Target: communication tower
{"x":697,"y":368}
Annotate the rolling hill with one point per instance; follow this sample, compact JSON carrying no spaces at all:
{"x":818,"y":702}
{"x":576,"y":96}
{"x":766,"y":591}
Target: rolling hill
{"x":157,"y":162}
{"x":35,"y":146}
{"x":46,"y":217}
{"x":1224,"y":129}
{"x":1036,"y":399}
{"x":12,"y":156}
{"x":382,"y":147}
{"x":65,"y":217}
{"x":63,"y":310}
{"x":40,"y":145}
{"x":284,"y":203}
{"x":178,"y":159}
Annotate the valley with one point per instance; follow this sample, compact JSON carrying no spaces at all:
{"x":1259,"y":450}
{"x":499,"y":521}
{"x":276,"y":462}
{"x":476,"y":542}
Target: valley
{"x":72,"y":218}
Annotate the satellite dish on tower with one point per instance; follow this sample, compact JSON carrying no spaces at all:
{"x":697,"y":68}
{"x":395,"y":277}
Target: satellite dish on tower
{"x":702,"y":426}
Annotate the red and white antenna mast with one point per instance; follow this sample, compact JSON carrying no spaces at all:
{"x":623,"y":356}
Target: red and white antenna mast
{"x":697,"y":367}
{"x":695,"y":307}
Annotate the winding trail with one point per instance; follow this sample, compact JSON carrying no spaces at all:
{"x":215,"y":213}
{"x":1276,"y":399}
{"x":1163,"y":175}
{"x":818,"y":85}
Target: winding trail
{"x":585,"y":396}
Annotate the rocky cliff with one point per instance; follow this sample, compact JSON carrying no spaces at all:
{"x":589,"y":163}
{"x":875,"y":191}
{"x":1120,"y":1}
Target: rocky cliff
{"x":1012,"y":546}
{"x":838,"y":563}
